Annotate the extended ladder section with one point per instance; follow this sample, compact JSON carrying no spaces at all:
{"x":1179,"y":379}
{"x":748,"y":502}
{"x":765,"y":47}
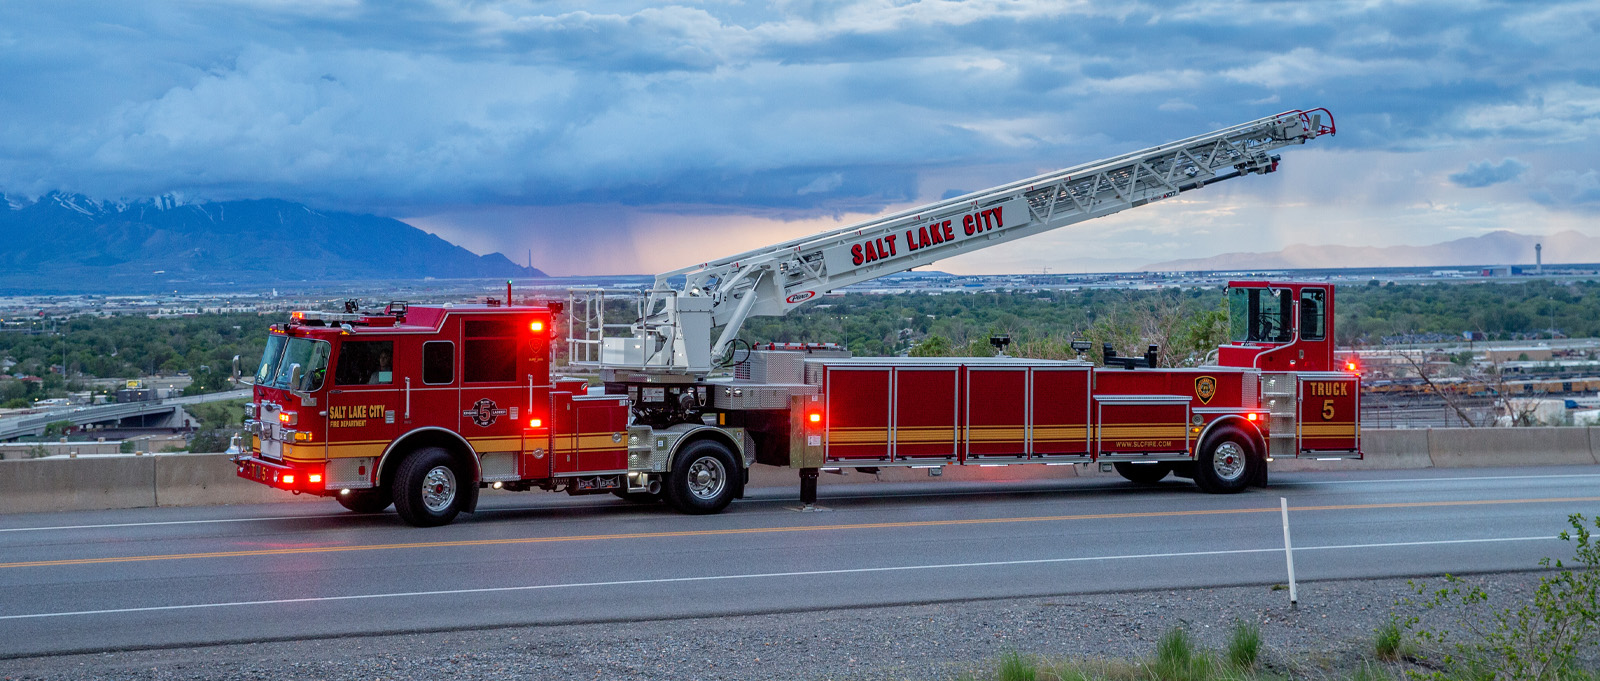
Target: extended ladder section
{"x":673,"y":335}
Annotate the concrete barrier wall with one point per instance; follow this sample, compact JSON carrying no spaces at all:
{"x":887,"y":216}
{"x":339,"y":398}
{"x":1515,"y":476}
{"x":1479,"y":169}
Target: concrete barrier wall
{"x":104,"y":482}
{"x":31,"y":485}
{"x":209,"y":479}
{"x":84,"y":483}
{"x":1470,"y":447}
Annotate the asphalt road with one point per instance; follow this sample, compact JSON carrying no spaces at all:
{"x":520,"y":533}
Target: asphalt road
{"x":103,"y":580}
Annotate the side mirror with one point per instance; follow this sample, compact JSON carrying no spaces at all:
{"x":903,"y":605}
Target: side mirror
{"x":296,"y":377}
{"x":236,"y":372}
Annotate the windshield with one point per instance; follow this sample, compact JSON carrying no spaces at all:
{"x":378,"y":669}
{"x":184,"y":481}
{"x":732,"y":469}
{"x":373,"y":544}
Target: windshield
{"x":269,"y":359}
{"x":1260,"y":315}
{"x":312,"y":356}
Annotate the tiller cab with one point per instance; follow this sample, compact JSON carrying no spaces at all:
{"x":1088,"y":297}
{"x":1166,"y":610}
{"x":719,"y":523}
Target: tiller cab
{"x":423,"y":406}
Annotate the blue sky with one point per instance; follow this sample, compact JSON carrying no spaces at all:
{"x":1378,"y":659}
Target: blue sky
{"x":640,"y":137}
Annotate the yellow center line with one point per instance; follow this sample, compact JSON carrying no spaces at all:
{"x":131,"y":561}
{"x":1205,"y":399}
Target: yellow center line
{"x":774,"y":530}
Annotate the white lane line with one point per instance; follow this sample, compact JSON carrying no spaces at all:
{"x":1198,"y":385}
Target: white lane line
{"x":1313,"y":483}
{"x":763,"y":575}
{"x":175,"y":522}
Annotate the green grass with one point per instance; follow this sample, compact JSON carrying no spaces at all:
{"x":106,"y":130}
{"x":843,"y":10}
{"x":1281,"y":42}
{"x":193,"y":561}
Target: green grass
{"x":1388,"y":642}
{"x":1244,"y":645}
{"x":1177,"y":657}
{"x":1015,"y":667}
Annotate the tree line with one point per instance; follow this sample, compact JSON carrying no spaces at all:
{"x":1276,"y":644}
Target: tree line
{"x":1185,"y":323}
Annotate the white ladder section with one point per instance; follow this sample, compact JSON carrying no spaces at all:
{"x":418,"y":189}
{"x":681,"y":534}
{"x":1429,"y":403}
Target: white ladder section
{"x":773,"y":280}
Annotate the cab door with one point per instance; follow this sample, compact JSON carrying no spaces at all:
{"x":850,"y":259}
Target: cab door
{"x":494,"y":388}
{"x":366,"y":401}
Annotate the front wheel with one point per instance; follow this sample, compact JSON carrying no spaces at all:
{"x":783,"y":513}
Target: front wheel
{"x":1143,"y":473}
{"x":1227,"y":463}
{"x":427,"y":488}
{"x":366,"y":500}
{"x":701,"y":480}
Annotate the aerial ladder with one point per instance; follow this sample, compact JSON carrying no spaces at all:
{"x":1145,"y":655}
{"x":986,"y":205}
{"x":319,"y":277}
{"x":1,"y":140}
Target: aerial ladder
{"x":669,"y":336}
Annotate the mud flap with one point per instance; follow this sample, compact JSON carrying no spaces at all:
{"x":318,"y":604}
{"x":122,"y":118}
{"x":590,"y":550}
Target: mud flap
{"x":469,"y":501}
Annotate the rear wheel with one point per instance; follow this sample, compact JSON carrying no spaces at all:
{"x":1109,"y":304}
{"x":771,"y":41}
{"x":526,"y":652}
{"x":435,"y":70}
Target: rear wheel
{"x":1143,"y":473}
{"x":366,"y":500}
{"x":427,"y":488}
{"x":701,"y":480}
{"x":1227,"y":463}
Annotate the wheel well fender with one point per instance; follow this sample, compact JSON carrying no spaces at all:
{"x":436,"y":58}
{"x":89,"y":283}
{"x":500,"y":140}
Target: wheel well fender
{"x":1234,"y":422}
{"x":450,"y":441}
{"x":739,"y":477}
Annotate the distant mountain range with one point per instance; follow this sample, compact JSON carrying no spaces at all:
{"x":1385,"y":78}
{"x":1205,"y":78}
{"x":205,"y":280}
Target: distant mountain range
{"x":1494,"y":248}
{"x":70,"y":243}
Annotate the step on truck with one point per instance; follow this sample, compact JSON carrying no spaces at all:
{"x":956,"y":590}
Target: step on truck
{"x":422,"y":406}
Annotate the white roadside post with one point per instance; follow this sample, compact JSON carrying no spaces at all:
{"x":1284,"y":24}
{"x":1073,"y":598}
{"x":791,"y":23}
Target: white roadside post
{"x":1288,"y":553}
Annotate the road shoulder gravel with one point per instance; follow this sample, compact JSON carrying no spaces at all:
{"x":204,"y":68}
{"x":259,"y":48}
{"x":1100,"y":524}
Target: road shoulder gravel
{"x":1331,"y":629}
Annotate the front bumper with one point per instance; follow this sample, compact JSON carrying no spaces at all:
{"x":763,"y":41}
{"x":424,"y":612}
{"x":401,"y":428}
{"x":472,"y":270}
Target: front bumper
{"x":293,"y":477}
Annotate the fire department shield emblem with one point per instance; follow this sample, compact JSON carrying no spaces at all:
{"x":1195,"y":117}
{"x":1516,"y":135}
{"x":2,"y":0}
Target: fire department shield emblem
{"x":1205,"y":388}
{"x":483,"y":412}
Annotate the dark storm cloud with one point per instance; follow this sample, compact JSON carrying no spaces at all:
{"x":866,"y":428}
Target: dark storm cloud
{"x":813,"y":107}
{"x":1485,"y":173}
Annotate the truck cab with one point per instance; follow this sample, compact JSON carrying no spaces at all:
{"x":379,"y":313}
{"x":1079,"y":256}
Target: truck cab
{"x":347,"y":404}
{"x":1279,"y":326}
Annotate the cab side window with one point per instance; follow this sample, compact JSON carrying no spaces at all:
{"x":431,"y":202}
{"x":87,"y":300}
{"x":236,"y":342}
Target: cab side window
{"x":490,"y":352}
{"x":438,"y":362}
{"x":365,"y":363}
{"x":1313,"y":303}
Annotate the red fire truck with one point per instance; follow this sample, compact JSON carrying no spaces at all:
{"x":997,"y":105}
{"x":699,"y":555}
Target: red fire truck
{"x":423,"y":406}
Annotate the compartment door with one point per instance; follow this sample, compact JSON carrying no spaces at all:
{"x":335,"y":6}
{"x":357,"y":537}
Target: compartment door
{"x":857,"y":417}
{"x":996,"y":407}
{"x":925,"y":413}
{"x":599,"y":443}
{"x":1330,"y":414}
{"x":1059,"y":405}
{"x":1143,"y":424}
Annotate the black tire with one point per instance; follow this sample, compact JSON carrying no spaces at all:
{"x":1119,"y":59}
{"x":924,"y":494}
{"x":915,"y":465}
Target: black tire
{"x":1228,"y":462}
{"x":434,"y":468}
{"x":1143,"y":473}
{"x":701,"y":480}
{"x":366,"y":500}
{"x":637,"y":497}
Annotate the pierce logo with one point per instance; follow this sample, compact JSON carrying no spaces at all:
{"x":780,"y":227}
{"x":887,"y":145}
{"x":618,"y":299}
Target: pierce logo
{"x":800,"y":297}
{"x":1205,"y":388}
{"x":483,"y":412}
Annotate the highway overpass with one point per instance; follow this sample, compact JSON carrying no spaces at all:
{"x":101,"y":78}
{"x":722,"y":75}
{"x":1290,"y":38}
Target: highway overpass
{"x":167,"y":412}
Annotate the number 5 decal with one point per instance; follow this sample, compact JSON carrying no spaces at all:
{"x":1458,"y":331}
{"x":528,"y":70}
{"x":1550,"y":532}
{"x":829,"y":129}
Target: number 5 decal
{"x":1327,"y":410}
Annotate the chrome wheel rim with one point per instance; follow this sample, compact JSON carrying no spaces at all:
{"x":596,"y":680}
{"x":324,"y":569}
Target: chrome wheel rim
{"x":707,"y":478}
{"x":439,"y":489}
{"x":1228,"y":460}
